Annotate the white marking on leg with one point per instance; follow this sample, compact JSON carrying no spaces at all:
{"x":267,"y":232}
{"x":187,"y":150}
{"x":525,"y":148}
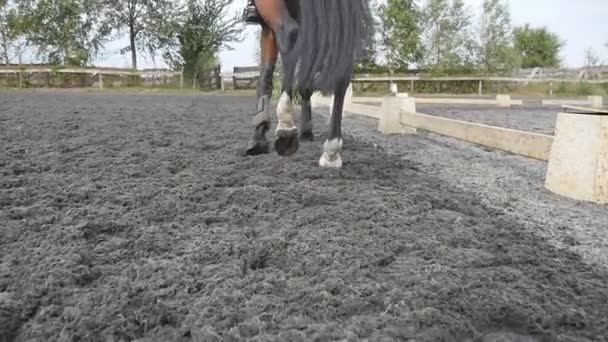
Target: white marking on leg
{"x":331,"y":154}
{"x":285,"y":111}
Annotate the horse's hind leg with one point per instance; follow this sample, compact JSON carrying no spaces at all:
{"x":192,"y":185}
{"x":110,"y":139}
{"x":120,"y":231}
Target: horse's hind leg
{"x":261,"y":121}
{"x":333,"y":144}
{"x":279,"y":15}
{"x":306,"y":121}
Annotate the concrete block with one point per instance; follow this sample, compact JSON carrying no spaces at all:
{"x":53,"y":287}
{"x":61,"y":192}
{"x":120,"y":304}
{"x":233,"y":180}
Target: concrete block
{"x":392,"y":109}
{"x":318,"y":100}
{"x":503,"y":101}
{"x":402,"y":95}
{"x":394,"y":88}
{"x":578,"y":163}
{"x":596,"y":101}
{"x":348,"y":97}
{"x":348,"y":100}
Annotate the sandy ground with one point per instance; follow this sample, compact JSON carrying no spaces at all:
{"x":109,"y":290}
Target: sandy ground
{"x":131,"y":217}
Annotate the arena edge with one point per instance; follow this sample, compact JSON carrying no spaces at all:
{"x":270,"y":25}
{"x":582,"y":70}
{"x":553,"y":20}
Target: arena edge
{"x":577,"y":155}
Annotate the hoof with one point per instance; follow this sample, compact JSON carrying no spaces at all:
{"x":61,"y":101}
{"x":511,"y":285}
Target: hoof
{"x":256,"y":148}
{"x":331,"y":154}
{"x":286,"y":142}
{"x":307,"y":136}
{"x":328,"y":162}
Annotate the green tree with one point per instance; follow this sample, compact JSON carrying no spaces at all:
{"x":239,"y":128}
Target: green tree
{"x":448,"y":42}
{"x":538,"y":47}
{"x":64,"y":31}
{"x":202,"y":29}
{"x":401,"y":32}
{"x":367,"y":60}
{"x":591,"y":58}
{"x":11,"y":32}
{"x":144,"y":21}
{"x":496,"y":48}
{"x":5,"y":32}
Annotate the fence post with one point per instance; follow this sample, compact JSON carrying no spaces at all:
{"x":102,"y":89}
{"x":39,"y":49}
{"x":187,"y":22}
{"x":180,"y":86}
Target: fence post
{"x":100,"y":75}
{"x":480,"y":87}
{"x":181,"y":80}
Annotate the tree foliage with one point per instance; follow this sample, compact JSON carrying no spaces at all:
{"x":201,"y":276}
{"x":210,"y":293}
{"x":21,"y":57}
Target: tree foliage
{"x":6,"y":32}
{"x":401,"y":32}
{"x":201,"y":31}
{"x":144,"y":21}
{"x":447,"y":37}
{"x":538,"y":47}
{"x":368,"y":58}
{"x":64,"y":31}
{"x":437,"y":35}
{"x":496,"y":45}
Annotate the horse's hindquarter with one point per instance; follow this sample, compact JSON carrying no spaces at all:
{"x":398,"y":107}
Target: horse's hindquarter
{"x":331,"y":36}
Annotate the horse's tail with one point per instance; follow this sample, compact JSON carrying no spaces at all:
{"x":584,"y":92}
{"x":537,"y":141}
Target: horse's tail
{"x":331,"y":36}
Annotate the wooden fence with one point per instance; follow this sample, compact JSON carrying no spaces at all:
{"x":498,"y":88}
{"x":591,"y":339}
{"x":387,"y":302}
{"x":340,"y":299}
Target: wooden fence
{"x":479,"y":85}
{"x":246,"y":77}
{"x":45,"y":76}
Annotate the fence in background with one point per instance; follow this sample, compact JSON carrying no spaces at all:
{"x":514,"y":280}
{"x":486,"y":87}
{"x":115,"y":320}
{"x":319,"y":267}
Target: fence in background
{"x":545,"y":81}
{"x":32,"y":76}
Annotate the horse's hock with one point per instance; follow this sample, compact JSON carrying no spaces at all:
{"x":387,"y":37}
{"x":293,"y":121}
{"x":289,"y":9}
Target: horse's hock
{"x":578,"y":164}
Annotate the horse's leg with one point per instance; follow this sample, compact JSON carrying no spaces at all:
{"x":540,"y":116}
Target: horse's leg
{"x":306,"y":123}
{"x":261,"y":120}
{"x":286,"y":135}
{"x":333,"y":144}
{"x":279,"y":15}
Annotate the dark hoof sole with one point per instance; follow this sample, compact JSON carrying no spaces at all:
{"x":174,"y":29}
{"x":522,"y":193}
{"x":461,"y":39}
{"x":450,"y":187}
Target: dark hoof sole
{"x":307,"y":136}
{"x":256,"y":148}
{"x":286,"y":142}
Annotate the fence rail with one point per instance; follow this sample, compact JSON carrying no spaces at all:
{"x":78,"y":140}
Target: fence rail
{"x":246,"y":77}
{"x":94,"y":76}
{"x":469,"y":79}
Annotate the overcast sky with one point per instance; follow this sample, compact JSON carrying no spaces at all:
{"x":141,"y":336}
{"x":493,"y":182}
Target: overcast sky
{"x":580,"y":23}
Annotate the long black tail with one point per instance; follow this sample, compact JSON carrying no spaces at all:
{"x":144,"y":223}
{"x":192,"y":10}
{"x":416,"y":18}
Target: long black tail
{"x":331,"y":37}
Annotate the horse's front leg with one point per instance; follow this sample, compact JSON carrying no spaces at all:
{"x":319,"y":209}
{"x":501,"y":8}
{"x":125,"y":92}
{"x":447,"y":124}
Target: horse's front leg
{"x":333,"y":144}
{"x":286,"y":135}
{"x":306,"y":120}
{"x":262,"y":119}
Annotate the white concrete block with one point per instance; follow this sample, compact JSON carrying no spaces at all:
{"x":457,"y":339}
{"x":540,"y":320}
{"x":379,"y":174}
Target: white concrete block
{"x":392,"y":109}
{"x":318,"y":100}
{"x":348,"y":97}
{"x":403,"y":95}
{"x":596,"y":101}
{"x":578,"y":163}
{"x":394,"y":88}
{"x":503,"y":100}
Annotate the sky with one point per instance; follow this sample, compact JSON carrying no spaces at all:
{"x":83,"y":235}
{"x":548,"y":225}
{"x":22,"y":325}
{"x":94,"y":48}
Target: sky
{"x":580,"y":23}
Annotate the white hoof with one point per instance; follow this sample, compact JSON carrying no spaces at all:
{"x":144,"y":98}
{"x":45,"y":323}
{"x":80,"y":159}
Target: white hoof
{"x":331,"y":155}
{"x":328,"y":162}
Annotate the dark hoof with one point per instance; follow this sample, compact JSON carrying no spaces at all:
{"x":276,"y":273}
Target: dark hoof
{"x":286,"y":142}
{"x":307,"y":136}
{"x":256,"y":148}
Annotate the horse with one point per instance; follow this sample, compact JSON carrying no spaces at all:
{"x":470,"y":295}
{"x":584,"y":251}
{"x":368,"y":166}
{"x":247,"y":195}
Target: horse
{"x":319,"y":42}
